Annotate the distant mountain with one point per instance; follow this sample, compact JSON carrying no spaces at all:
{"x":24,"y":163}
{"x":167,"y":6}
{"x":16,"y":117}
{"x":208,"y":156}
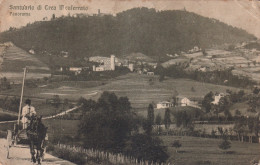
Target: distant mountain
{"x":136,"y":30}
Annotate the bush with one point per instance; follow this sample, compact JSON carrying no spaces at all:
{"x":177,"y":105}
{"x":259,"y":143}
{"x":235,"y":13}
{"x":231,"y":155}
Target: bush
{"x":224,"y":145}
{"x":176,"y":144}
{"x":75,"y":157}
{"x":145,"y":147}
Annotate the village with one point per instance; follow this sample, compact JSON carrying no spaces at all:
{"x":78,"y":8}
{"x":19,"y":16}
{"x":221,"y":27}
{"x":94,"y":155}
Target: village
{"x":185,"y":104}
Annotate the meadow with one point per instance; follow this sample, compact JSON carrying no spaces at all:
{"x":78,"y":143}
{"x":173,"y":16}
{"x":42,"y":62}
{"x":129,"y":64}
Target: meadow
{"x":140,"y":89}
{"x":204,"y":151}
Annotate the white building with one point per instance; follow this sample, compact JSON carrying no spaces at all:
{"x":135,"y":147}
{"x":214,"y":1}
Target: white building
{"x":131,"y":67}
{"x":164,"y":104}
{"x":217,"y":97}
{"x":99,"y":69}
{"x":185,"y":102}
{"x":31,"y":51}
{"x":105,"y":63}
{"x":150,"y":73}
{"x":76,"y":70}
{"x":112,"y":62}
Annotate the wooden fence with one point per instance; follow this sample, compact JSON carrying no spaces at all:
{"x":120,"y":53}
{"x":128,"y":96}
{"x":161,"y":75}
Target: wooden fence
{"x":111,"y":157}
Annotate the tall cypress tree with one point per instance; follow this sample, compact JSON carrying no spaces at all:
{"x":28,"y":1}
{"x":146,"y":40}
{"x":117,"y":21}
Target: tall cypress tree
{"x":150,"y":114}
{"x":167,"y":119}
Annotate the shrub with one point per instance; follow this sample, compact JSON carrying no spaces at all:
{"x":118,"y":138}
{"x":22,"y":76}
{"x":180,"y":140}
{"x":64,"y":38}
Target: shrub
{"x":176,"y":144}
{"x":224,"y":145}
{"x":145,"y":147}
{"x":75,"y":157}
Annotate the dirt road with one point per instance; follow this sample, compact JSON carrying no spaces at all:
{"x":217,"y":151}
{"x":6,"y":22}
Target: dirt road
{"x":20,"y":155}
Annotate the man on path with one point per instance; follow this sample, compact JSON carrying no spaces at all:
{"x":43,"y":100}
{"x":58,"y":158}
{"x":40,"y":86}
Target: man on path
{"x":27,"y":112}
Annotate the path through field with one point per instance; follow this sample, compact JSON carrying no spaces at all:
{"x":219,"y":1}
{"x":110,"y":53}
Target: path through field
{"x":20,"y":155}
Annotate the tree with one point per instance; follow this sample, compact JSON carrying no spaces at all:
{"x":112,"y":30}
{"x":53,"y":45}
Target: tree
{"x":224,"y":145}
{"x":256,"y":90}
{"x":150,"y":114}
{"x":145,"y":147}
{"x":158,"y":122}
{"x":4,"y":84}
{"x":56,"y":101}
{"x":66,"y":102}
{"x":237,"y":113}
{"x":254,"y":102}
{"x":86,"y":105}
{"x":148,"y":123}
{"x":161,"y":77}
{"x":206,"y":103}
{"x":240,"y":127}
{"x":158,"y":119}
{"x":167,"y":119}
{"x":107,"y":126}
{"x":176,"y":144}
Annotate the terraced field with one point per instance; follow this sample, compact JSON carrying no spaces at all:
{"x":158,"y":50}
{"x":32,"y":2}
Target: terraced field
{"x":15,"y":59}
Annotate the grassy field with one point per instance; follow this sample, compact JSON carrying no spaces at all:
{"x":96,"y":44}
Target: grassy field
{"x":203,"y":151}
{"x":140,"y":89}
{"x":64,"y":127}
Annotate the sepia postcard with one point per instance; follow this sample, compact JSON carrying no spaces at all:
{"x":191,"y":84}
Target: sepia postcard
{"x":130,"y":82}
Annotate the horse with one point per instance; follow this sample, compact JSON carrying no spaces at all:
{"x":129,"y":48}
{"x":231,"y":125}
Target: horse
{"x":36,"y":133}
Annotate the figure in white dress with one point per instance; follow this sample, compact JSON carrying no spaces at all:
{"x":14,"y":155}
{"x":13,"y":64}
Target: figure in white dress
{"x":27,"y":112}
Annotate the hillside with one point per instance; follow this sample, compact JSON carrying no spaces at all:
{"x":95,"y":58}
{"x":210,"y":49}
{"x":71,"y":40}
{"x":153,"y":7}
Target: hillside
{"x":136,"y":30}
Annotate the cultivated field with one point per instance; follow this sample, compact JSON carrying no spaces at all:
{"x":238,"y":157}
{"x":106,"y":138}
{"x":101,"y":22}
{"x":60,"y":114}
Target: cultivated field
{"x":15,"y":59}
{"x":204,"y":151}
{"x":140,"y":89}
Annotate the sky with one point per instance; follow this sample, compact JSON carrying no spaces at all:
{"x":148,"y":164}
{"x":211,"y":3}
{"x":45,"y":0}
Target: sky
{"x":243,"y":14}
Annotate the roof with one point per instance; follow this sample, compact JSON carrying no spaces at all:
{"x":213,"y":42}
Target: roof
{"x":164,"y":102}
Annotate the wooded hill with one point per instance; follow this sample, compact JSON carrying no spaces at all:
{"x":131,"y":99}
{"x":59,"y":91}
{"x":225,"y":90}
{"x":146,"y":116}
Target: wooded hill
{"x":153,"y":33}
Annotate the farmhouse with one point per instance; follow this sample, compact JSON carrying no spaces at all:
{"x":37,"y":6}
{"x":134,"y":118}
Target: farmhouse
{"x":217,"y":97}
{"x":164,"y":104}
{"x":150,"y":73}
{"x":31,"y":51}
{"x":184,"y":101}
{"x":131,"y":67}
{"x":76,"y":70}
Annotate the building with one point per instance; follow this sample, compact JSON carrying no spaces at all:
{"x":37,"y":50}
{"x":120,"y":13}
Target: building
{"x":31,"y":51}
{"x":112,"y":62}
{"x":105,"y":63}
{"x":76,"y":70}
{"x":217,"y":98}
{"x":164,"y":104}
{"x":150,"y":73}
{"x":185,"y":101}
{"x":131,"y":67}
{"x":99,"y":69}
